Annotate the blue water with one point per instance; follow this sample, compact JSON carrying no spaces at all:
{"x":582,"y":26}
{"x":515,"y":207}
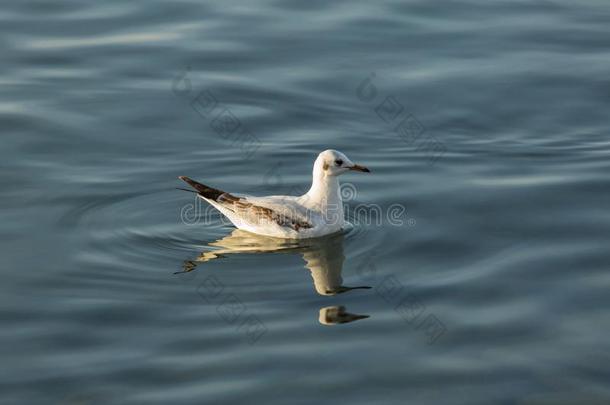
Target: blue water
{"x":486,"y":121}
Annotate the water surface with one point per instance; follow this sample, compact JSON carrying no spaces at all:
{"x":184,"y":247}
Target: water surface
{"x":486,"y":121}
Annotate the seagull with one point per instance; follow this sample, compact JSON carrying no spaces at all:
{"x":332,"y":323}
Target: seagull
{"x":316,"y":213}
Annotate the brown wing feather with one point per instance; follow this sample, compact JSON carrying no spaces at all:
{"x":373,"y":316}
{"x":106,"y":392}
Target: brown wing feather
{"x":237,"y":204}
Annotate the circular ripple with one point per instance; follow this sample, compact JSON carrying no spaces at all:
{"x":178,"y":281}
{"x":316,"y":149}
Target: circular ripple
{"x":134,"y":228}
{"x":141,"y":226}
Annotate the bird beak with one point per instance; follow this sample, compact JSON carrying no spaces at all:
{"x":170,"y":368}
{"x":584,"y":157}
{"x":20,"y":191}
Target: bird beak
{"x":359,"y":168}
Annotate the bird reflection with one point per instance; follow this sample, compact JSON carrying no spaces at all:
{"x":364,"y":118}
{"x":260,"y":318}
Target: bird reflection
{"x":337,"y":314}
{"x":323,"y":257}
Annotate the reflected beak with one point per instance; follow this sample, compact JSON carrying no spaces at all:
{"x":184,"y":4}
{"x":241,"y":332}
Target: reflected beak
{"x":359,"y":168}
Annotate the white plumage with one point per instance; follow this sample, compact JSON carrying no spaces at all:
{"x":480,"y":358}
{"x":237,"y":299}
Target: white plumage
{"x":317,"y":213}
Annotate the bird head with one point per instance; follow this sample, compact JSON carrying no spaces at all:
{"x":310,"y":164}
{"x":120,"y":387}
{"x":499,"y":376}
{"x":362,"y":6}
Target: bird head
{"x":334,"y":163}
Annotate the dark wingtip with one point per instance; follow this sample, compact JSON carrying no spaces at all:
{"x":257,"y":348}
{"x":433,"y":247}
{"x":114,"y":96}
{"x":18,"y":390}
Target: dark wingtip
{"x":190,"y":182}
{"x":202,"y":189}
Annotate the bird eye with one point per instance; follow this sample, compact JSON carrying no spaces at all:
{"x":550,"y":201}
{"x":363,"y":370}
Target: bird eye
{"x":338,"y":162}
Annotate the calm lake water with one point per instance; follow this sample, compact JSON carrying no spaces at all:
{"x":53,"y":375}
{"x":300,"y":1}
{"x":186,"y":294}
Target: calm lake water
{"x":484,"y":123}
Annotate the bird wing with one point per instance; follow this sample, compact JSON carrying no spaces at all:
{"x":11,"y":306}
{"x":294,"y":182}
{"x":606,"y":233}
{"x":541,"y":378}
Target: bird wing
{"x":282,"y":211}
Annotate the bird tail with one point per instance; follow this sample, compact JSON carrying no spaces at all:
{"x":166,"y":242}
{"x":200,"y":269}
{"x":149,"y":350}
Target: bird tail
{"x":202,"y":189}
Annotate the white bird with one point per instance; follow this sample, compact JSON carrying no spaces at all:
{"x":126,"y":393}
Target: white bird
{"x":316,"y":213}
